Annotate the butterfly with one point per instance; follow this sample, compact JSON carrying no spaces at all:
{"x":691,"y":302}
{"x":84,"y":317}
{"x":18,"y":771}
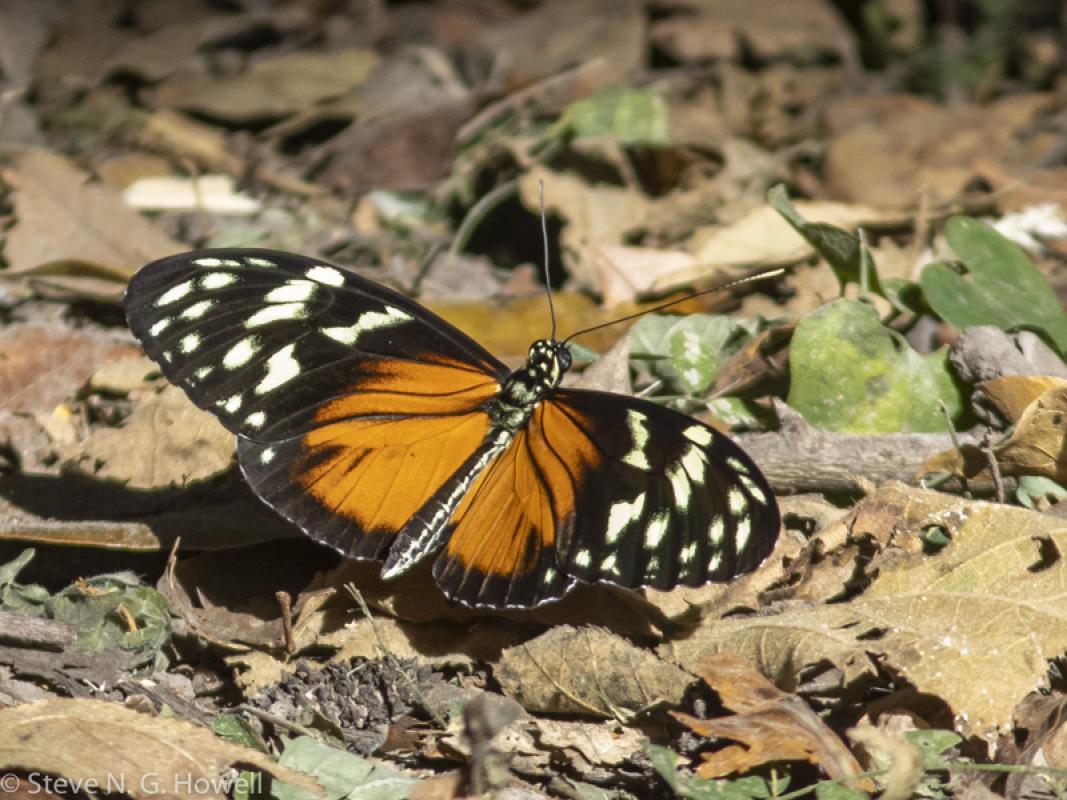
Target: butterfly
{"x":385,"y":432}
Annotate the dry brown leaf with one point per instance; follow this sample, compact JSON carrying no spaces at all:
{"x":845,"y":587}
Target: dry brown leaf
{"x":1013,"y":393}
{"x":60,"y":214}
{"x":927,"y":152}
{"x":272,"y":88}
{"x":901,"y":760}
{"x":586,"y":746}
{"x":763,"y":238}
{"x":587,"y":671}
{"x":769,"y":724}
{"x":1037,"y":446}
{"x":723,"y":30}
{"x":595,"y":216}
{"x":43,"y":364}
{"x":151,"y":754}
{"x":974,"y":625}
{"x":562,"y":33}
{"x":167,"y":441}
{"x":626,"y":272}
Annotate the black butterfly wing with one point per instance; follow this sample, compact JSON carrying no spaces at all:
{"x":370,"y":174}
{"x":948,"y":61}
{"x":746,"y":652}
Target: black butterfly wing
{"x":353,"y":405}
{"x":603,"y":487}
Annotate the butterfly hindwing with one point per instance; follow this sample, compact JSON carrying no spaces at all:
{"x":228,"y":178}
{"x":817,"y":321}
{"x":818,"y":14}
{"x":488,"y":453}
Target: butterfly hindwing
{"x":665,"y":500}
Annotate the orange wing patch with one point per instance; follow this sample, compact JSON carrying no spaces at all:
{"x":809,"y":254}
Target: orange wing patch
{"x":395,"y":387}
{"x":563,"y":452}
{"x":505,"y":523}
{"x":378,"y":473}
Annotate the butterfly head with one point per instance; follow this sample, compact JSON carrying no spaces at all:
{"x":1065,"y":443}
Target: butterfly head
{"x":547,"y":361}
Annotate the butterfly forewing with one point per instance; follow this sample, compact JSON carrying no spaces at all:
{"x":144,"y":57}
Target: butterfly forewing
{"x":387,"y":433}
{"x":264,"y":339}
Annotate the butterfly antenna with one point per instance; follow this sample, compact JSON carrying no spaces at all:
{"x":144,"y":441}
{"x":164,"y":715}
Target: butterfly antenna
{"x":761,"y":276}
{"x":544,"y":236}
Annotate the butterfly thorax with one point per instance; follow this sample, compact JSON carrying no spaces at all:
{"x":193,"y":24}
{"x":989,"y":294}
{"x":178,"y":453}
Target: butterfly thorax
{"x":524,"y":388}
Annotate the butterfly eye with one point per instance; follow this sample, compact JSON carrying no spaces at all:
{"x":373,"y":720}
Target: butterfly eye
{"x":563,"y":357}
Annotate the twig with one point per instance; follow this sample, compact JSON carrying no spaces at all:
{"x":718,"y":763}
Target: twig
{"x":390,"y":659}
{"x":285,"y":602}
{"x":986,"y":447}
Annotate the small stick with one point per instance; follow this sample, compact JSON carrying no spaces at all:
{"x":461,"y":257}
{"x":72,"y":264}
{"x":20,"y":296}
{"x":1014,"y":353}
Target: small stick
{"x":285,"y":602}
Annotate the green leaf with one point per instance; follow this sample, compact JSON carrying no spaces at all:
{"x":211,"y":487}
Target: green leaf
{"x":1003,"y":288}
{"x":665,"y":762}
{"x":841,"y":249}
{"x":236,"y":729}
{"x":932,"y":744}
{"x":850,"y":374}
{"x":341,"y":774}
{"x":100,"y":608}
{"x":686,"y":352}
{"x":632,"y":116}
{"x":1036,"y":489}
{"x":28,"y":599}
{"x":831,"y":790}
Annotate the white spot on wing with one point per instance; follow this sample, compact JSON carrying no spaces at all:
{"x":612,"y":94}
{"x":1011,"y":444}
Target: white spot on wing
{"x":291,"y":292}
{"x":207,"y":262}
{"x":757,"y":493}
{"x":327,"y":275}
{"x":256,"y":419}
{"x":716,"y":530}
{"x":693,"y":463}
{"x":621,"y":514}
{"x":281,"y":368}
{"x":635,"y":421}
{"x":266,"y":456}
{"x":656,"y":530}
{"x":232,"y":404}
{"x":685,"y":555}
{"x":582,"y":559}
{"x":203,"y":372}
{"x":610,"y":564}
{"x":241,"y":353}
{"x":174,"y":293}
{"x":370,"y":321}
{"x":254,"y":261}
{"x":197,"y":310}
{"x":160,"y":326}
{"x":190,"y":342}
{"x":735,"y":499}
{"x":277,"y":313}
{"x":699,"y":435}
{"x":716,"y":560}
{"x":737,"y":465}
{"x":217,"y":280}
{"x":676,"y":474}
{"x":744,"y":530}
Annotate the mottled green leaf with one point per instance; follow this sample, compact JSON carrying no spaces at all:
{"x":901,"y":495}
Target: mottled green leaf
{"x":632,"y":116}
{"x":852,"y":375}
{"x":341,"y":774}
{"x":686,"y":352}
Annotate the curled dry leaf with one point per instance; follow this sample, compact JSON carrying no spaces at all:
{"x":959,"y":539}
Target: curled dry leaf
{"x":587,"y":671}
{"x":974,"y":625}
{"x":149,"y":754}
{"x":1013,"y":394}
{"x":166,"y":442}
{"x":1037,"y":446}
{"x":770,"y":725}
